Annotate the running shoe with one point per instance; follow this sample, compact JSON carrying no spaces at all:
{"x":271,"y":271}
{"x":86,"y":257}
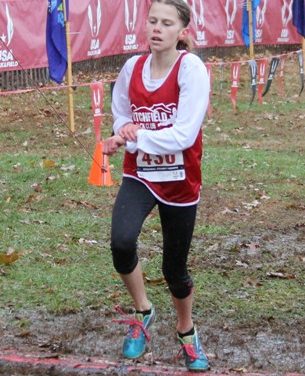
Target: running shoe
{"x":137,"y":336}
{"x":195,"y":359}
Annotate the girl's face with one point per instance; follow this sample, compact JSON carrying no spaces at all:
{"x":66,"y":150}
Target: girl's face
{"x":163,"y":27}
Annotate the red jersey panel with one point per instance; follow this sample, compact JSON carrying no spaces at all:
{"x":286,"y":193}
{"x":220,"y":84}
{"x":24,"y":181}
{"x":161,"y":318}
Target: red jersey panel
{"x":174,"y":179}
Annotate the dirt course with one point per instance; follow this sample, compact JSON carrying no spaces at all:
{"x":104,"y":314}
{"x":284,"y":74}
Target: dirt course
{"x":89,"y":342}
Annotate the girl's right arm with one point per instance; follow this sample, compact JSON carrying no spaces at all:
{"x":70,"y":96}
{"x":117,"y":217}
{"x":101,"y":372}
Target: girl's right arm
{"x":120,"y":97}
{"x":111,"y":144}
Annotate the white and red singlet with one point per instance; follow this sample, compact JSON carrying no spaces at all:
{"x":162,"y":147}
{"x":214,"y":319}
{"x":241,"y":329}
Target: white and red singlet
{"x":167,"y":154}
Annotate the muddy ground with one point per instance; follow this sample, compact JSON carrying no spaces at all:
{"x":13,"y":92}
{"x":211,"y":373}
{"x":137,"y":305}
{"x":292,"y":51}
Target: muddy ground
{"x":269,"y":346}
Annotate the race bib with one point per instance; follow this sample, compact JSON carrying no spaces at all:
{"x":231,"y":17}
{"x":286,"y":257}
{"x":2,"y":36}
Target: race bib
{"x":160,"y":168}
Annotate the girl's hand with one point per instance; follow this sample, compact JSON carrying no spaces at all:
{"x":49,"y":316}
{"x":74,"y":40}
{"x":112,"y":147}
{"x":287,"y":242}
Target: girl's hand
{"x":112,"y":144}
{"x":129,"y":132}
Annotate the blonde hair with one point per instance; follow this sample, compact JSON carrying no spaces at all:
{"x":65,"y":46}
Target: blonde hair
{"x":184,"y":13}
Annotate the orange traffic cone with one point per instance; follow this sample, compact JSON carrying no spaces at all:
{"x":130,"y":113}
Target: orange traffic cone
{"x":100,"y":171}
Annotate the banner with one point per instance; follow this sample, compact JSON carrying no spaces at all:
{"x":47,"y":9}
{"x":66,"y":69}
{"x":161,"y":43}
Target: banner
{"x":253,"y":75}
{"x":97,"y":103}
{"x":104,"y":28}
{"x":261,"y":69}
{"x":273,"y":67}
{"x":235,"y":78}
{"x":17,"y":40}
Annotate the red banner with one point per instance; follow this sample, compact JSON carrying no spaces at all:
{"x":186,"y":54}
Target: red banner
{"x":235,"y":78}
{"x":22,"y":35}
{"x":262,"y":71}
{"x":104,"y":28}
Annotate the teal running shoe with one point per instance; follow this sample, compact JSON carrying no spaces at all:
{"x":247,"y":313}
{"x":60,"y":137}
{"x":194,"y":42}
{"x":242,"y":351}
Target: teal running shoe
{"x":195,"y":359}
{"x":137,"y":336}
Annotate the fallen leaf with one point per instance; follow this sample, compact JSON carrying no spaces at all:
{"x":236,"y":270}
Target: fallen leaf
{"x":33,"y":198}
{"x":242,"y":264}
{"x":114,"y":295}
{"x":251,"y":205}
{"x":296,"y":207}
{"x":155,"y":282}
{"x":87,"y":241}
{"x":239,"y":370}
{"x":48,"y":163}
{"x":37,"y":187}
{"x":149,"y":358}
{"x":17,"y":167}
{"x":281,"y":275}
{"x":9,"y":257}
{"x":67,"y":168}
{"x":75,"y":203}
{"x":229,"y":211}
{"x":235,"y":247}
{"x":36,"y":222}
{"x":24,"y":333}
{"x":252,"y":282}
{"x":51,"y":178}
{"x":264,"y":197}
{"x":87,"y":131}
{"x":252,"y":249}
{"x":247,"y":147}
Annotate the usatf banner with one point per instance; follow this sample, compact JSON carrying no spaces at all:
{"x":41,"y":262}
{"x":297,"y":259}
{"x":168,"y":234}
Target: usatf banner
{"x":103,"y":28}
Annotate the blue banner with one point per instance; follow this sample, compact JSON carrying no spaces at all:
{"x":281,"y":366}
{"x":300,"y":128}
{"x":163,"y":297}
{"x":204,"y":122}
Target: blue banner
{"x":56,"y":42}
{"x":245,"y":22}
{"x":298,"y":10}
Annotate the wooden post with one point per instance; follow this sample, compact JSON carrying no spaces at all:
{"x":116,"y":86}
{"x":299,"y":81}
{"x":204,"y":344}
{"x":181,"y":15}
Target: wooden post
{"x":69,"y":71}
{"x":251,"y":36}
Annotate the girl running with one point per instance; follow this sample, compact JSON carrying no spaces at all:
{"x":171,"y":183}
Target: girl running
{"x":159,"y":103}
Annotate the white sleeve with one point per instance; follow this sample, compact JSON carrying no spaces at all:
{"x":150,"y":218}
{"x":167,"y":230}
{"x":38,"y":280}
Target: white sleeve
{"x":194,"y":86}
{"x":120,"y":97}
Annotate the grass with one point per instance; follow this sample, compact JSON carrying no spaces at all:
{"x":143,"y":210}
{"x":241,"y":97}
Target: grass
{"x":61,"y":226}
{"x":222,"y":164}
{"x":226,"y":297}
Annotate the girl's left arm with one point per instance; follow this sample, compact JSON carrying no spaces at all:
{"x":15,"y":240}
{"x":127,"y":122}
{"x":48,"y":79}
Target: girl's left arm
{"x":194,"y":86}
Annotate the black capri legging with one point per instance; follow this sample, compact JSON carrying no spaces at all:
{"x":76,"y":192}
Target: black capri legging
{"x":133,"y":204}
